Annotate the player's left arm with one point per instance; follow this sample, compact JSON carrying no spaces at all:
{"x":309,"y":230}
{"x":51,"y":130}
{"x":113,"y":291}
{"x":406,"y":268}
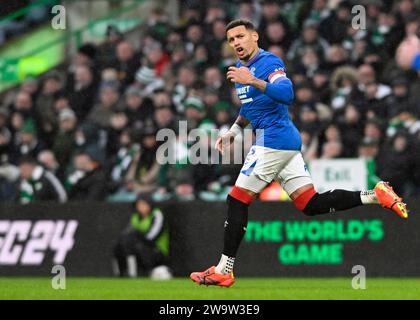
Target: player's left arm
{"x":278,"y":87}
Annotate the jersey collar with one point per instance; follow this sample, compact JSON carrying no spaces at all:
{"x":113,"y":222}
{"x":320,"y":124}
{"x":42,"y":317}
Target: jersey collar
{"x":252,"y":60}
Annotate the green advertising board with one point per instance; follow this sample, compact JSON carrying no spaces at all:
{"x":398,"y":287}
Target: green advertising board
{"x":313,"y":242}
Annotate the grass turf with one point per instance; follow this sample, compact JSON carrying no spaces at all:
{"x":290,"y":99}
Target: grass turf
{"x":178,"y":289}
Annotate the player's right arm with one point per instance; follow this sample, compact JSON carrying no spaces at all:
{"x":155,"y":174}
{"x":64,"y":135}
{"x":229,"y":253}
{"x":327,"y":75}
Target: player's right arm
{"x":227,"y":138}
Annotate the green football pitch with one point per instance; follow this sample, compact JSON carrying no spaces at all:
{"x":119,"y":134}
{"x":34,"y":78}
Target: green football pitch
{"x":180,"y":289}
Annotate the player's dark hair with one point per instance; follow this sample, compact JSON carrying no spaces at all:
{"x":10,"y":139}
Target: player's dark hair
{"x":240,"y":22}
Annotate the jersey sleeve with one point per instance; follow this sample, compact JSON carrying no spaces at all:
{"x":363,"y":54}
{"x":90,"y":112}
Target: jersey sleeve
{"x":279,"y":87}
{"x":416,"y":62}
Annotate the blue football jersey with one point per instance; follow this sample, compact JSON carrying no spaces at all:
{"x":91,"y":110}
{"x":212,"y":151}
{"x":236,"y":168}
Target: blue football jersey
{"x":264,"y":112}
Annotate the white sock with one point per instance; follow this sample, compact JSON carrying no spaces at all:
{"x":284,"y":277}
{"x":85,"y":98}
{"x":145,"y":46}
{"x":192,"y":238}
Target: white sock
{"x":368,"y":197}
{"x":225,"y":265}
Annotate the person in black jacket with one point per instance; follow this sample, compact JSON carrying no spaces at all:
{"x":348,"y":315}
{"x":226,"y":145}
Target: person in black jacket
{"x":38,"y":184}
{"x":396,"y":162}
{"x":87,"y":182}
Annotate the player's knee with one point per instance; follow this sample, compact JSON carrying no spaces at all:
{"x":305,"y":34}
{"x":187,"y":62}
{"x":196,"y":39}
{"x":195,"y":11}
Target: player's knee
{"x":304,"y":202}
{"x":240,"y":195}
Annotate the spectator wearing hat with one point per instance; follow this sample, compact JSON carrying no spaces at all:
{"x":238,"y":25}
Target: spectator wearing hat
{"x":222,"y":115}
{"x":86,"y":54}
{"x":344,"y":88}
{"x":148,"y":81}
{"x":38,"y":184}
{"x":195,"y":112}
{"x":87,"y":181}
{"x":28,"y":144}
{"x":65,"y":142}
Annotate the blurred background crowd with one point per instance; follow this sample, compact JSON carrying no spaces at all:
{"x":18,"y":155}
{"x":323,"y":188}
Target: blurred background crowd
{"x":87,"y":131}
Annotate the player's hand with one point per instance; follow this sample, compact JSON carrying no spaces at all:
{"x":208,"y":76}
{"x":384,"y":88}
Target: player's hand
{"x":406,"y":52}
{"x":240,"y":75}
{"x":224,"y":141}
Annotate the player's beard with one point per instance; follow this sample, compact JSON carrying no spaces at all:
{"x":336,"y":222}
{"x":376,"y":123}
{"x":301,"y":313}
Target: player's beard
{"x":247,"y":57}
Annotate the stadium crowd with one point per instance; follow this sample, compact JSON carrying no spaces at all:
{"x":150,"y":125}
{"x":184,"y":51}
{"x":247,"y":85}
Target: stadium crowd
{"x":89,"y":133}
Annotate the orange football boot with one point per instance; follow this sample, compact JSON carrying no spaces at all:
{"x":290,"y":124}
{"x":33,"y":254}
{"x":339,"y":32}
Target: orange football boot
{"x":211,"y":278}
{"x":389,"y":199}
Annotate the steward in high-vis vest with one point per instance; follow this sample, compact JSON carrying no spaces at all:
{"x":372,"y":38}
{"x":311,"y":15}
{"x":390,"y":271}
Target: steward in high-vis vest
{"x":146,"y":239}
